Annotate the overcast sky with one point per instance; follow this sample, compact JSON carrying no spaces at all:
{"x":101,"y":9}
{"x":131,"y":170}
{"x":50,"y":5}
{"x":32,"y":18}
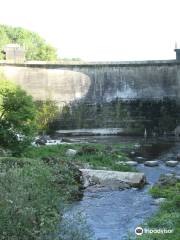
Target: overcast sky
{"x":100,"y":30}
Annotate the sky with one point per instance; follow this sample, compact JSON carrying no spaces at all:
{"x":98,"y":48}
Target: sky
{"x":100,"y":30}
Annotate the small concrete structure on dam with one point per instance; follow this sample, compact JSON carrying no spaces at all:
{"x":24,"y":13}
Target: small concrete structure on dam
{"x":97,"y":83}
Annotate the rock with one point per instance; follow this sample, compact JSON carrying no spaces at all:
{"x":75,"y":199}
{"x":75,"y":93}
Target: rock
{"x":171,"y":163}
{"x":132,"y":163}
{"x":137,"y":145}
{"x":120,"y":163}
{"x":133,"y":154}
{"x":159,"y":201}
{"x":71,"y":152}
{"x":53,"y":142}
{"x":167,"y":180}
{"x":151,"y":163}
{"x":139,"y":159}
{"x":112,"y":179}
{"x":40,"y":141}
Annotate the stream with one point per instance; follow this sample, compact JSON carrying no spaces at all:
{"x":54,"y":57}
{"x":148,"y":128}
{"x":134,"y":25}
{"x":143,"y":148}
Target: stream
{"x":113,"y":215}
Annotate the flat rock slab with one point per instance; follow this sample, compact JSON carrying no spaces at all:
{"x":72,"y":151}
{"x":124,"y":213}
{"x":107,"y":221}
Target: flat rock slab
{"x":112,"y":179}
{"x":172,"y":163}
{"x":151,"y":163}
{"x":132,"y":163}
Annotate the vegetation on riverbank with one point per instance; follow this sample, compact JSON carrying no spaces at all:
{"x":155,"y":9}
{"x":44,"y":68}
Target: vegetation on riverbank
{"x":35,"y":189}
{"x":97,"y":156}
{"x":17,"y":117}
{"x":33,"y":196}
{"x":168,"y":216}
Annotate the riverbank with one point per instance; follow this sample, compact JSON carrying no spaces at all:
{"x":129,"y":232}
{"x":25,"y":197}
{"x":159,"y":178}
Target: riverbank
{"x":36,"y":188}
{"x":33,"y":195}
{"x":95,"y":156}
{"x":167,"y":192}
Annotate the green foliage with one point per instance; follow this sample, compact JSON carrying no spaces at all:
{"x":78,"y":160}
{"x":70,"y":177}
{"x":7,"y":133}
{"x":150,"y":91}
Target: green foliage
{"x":33,"y":194}
{"x":101,"y":158}
{"x":35,"y":46}
{"x":168,"y":216}
{"x":17,"y":117}
{"x":47,"y":112}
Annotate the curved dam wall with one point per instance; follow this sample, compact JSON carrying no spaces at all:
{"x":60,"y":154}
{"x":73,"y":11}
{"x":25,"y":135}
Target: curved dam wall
{"x":97,"y":83}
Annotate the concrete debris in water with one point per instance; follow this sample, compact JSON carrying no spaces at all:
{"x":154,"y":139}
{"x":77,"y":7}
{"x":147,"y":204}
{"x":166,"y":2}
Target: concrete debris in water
{"x":112,"y":179}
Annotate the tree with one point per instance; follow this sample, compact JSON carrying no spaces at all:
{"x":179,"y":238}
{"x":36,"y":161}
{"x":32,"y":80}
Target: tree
{"x":47,"y":112}
{"x":35,"y":46}
{"x":17,"y":117}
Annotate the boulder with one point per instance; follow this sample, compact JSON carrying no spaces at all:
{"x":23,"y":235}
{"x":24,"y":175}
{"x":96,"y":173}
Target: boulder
{"x":139,"y":159}
{"x":71,"y":152}
{"x":120,"y":163}
{"x":112,"y":179}
{"x":137,"y":145}
{"x":132,"y":163}
{"x":168,"y":179}
{"x":171,"y":163}
{"x":133,"y":154}
{"x":40,"y":141}
{"x":151,"y":163}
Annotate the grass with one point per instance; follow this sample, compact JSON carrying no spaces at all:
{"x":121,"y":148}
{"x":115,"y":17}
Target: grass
{"x":168,"y":216}
{"x":101,"y":158}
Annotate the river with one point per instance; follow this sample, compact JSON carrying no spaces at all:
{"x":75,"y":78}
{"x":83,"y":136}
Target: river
{"x":113,"y":215}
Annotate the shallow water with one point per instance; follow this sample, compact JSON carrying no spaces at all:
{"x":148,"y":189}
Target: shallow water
{"x":112,"y":215}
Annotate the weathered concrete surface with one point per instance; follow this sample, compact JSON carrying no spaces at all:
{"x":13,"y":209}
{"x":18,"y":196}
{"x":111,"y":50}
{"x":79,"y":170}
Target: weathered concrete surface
{"x":112,"y":179}
{"x":90,"y":89}
{"x":62,"y":86}
{"x":97,"y":82}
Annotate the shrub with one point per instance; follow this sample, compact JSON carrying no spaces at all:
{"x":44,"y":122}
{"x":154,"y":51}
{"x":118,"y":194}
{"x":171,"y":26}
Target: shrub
{"x":33,"y":196}
{"x":17,"y":117}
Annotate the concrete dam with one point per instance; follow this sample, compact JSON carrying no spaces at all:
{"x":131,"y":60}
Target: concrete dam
{"x":122,"y":94}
